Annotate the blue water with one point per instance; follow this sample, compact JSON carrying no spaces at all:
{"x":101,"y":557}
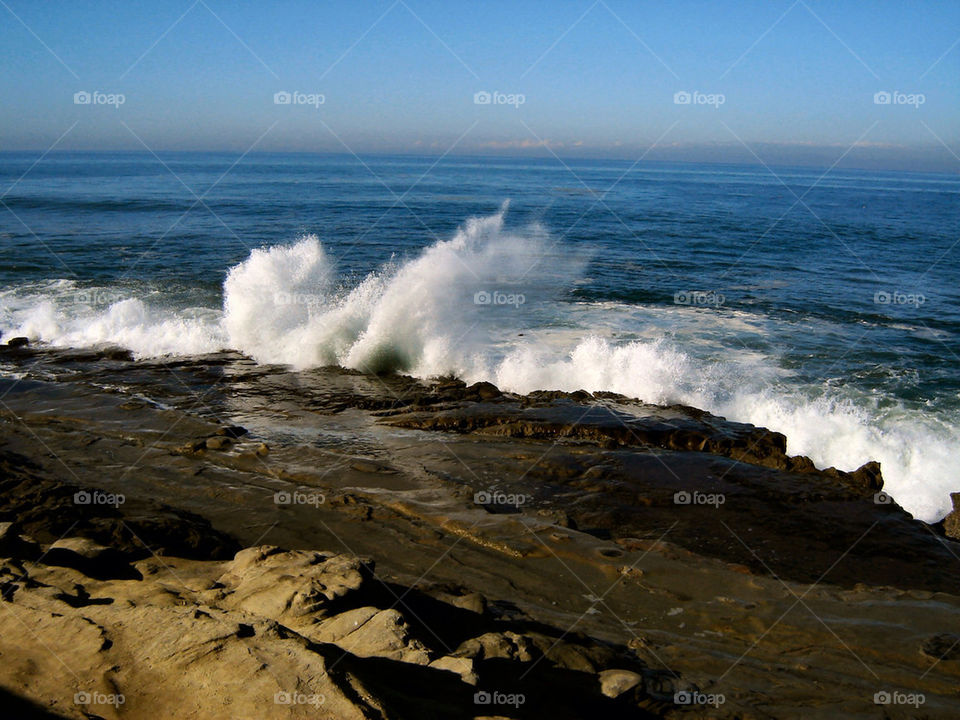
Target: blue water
{"x":826,"y":306}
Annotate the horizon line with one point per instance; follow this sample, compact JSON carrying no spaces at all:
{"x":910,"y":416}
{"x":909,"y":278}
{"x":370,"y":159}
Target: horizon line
{"x":480,"y":155}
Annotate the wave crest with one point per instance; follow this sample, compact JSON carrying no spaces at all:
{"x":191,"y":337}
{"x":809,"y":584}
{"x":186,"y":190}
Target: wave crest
{"x":493,"y":304}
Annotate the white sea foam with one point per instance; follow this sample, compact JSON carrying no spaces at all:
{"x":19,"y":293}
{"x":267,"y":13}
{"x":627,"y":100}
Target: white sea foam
{"x":63,"y":314}
{"x":438,"y":313}
{"x":427,"y":316}
{"x":916,"y":450}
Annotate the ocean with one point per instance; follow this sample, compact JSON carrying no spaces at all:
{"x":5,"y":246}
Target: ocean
{"x":821,"y":304}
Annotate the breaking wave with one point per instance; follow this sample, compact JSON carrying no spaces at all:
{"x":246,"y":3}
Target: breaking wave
{"x":495,"y":304}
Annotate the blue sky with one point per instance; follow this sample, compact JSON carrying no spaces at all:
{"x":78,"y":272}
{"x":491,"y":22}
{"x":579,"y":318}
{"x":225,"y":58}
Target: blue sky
{"x":788,"y":82}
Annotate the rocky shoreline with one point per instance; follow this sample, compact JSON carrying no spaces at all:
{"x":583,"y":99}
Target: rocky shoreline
{"x":210,"y":538}
{"x":104,"y":632}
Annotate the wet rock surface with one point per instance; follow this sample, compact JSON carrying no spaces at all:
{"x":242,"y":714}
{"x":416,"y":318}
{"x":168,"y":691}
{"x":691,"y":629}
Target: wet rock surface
{"x":211,"y":538}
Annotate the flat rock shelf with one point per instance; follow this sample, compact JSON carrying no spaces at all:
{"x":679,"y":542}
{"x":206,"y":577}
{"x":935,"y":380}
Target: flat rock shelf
{"x":206,"y":537}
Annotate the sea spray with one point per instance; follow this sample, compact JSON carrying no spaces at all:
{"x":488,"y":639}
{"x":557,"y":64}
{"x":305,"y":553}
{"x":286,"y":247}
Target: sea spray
{"x":271,"y":302}
{"x":433,"y":314}
{"x":913,"y":447}
{"x":430,"y":315}
{"x":64,"y":314}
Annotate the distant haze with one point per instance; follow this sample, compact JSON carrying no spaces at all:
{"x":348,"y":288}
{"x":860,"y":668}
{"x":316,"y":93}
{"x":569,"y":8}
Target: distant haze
{"x":852,"y":84}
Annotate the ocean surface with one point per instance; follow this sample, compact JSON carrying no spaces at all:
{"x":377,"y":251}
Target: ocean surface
{"x":825,"y":305}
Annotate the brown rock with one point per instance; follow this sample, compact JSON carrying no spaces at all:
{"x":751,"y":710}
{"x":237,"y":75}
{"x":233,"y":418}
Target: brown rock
{"x":484,"y":390}
{"x":462,"y":666}
{"x":371,"y":632}
{"x":232,"y":431}
{"x":139,"y":650}
{"x":217,"y":443}
{"x":290,"y":585}
{"x":614,"y":683}
{"x":557,"y":517}
{"x":951,"y":523}
{"x":868,"y":477}
{"x":15,"y":545}
{"x":474,"y":602}
{"x":91,"y":559}
{"x":944,"y":646}
{"x":507,"y":646}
